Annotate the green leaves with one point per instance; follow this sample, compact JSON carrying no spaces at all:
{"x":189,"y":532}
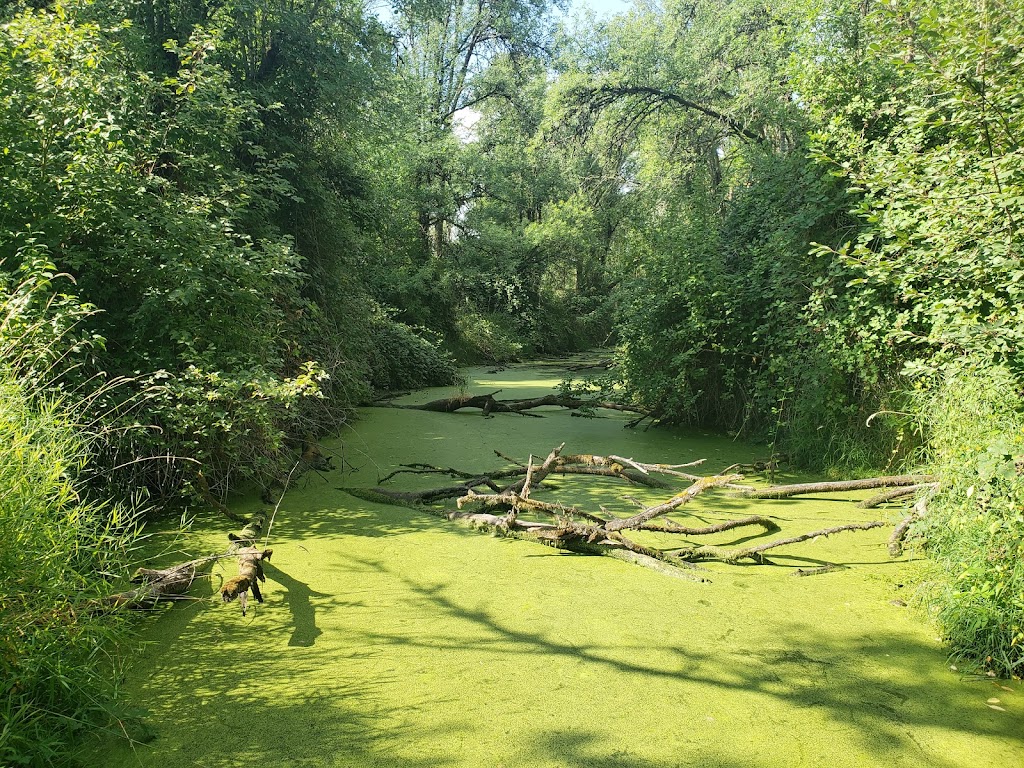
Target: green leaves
{"x":939,"y":178}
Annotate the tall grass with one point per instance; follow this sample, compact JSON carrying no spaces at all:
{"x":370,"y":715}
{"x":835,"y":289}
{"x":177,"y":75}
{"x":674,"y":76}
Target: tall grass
{"x":974,"y":527}
{"x":58,"y":549}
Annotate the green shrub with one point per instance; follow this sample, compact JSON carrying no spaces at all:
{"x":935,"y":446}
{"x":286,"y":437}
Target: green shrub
{"x":491,"y":338}
{"x":974,"y":527}
{"x":401,"y":358}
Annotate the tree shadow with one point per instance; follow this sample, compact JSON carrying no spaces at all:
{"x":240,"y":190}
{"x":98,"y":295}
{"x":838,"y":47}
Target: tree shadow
{"x":836,"y":676}
{"x":299,"y":602}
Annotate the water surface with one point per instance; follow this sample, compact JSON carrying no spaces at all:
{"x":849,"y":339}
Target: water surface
{"x":391,"y":638}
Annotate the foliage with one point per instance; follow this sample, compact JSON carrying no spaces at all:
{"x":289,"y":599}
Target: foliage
{"x":404,"y":357}
{"x":58,"y":553}
{"x":934,"y":273}
{"x":974,"y":528}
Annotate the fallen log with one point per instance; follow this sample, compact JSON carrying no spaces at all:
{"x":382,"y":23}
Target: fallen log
{"x":173,"y":583}
{"x":785,"y":491}
{"x":892,"y":494}
{"x":575,"y":529}
{"x":489,"y":405}
{"x":157,"y":584}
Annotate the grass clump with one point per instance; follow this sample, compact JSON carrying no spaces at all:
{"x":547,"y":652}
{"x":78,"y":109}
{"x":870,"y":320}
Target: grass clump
{"x":57,"y":550}
{"x":974,"y":527}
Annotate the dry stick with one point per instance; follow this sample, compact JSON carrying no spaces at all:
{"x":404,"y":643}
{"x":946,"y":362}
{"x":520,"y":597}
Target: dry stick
{"x":668,"y":526}
{"x":732,"y":555}
{"x":509,"y":459}
{"x":676,"y":501}
{"x":785,"y":491}
{"x":418,"y":468}
{"x":287,"y":482}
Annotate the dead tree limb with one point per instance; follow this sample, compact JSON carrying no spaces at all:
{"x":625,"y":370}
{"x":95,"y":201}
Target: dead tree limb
{"x":579,"y":530}
{"x":899,"y":534}
{"x":757,"y":552}
{"x":668,"y":526}
{"x":676,"y":501}
{"x":489,"y":405}
{"x":827,"y":568}
{"x":172,"y":583}
{"x":785,"y":491}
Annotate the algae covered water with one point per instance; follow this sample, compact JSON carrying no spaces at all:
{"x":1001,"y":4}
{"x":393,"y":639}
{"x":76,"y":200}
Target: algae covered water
{"x":393,"y":638}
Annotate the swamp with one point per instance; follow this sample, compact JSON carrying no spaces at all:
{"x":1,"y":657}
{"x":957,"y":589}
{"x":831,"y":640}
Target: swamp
{"x":390,"y":637}
{"x":511,"y":383}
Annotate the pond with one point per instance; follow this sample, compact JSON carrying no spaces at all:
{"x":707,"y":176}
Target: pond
{"x":393,"y":638}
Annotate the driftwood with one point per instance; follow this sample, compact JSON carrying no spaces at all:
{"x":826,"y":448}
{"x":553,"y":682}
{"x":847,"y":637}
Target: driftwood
{"x":489,"y":405}
{"x":785,"y":491}
{"x":575,"y":529}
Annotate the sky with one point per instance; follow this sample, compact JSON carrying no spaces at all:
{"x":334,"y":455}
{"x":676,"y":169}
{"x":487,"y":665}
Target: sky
{"x":602,"y":7}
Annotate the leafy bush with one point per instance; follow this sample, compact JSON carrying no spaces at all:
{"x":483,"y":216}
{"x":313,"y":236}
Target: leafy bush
{"x":974,"y":528}
{"x":493,"y":338}
{"x":401,"y":358}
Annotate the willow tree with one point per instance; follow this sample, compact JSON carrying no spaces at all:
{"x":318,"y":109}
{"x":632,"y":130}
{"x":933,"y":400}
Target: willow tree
{"x":445,"y":47}
{"x":724,"y":204}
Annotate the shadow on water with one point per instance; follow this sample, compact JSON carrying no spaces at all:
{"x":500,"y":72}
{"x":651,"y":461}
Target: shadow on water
{"x":806,"y":668}
{"x":300,"y":604}
{"x":393,"y":638}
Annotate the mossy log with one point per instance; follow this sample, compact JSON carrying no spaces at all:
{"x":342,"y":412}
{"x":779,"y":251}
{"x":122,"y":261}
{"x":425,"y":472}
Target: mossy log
{"x":158,"y":584}
{"x":250,"y":574}
{"x":489,"y":405}
{"x":172,"y":583}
